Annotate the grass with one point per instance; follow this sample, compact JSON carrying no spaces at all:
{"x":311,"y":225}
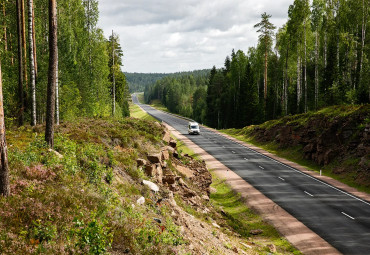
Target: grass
{"x":137,"y":112}
{"x":242,"y":219}
{"x":81,"y":203}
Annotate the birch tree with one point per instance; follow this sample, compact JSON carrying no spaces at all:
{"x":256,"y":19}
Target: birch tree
{"x":32,"y":62}
{"x":4,"y":170}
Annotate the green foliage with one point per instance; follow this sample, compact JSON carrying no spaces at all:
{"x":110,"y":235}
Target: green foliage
{"x":93,"y":236}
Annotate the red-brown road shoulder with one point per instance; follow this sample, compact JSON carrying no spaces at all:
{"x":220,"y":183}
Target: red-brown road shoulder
{"x":296,"y":232}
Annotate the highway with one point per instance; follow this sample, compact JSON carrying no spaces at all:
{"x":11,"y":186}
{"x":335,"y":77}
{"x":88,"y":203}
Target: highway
{"x":341,"y":219}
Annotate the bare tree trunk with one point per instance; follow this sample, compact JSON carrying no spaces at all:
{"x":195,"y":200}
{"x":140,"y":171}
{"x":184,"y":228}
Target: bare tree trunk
{"x":4,"y":24}
{"x":316,"y":68}
{"x":34,"y":41}
{"x":4,"y":170}
{"x":50,"y":107}
{"x":298,"y":78}
{"x":24,"y":43}
{"x":305,"y":68}
{"x":20,"y":66}
{"x":363,"y":34}
{"x":114,"y":82}
{"x":265,"y":84}
{"x":325,"y":49}
{"x":32,"y":62}
{"x":57,"y":91}
{"x":286,"y":80}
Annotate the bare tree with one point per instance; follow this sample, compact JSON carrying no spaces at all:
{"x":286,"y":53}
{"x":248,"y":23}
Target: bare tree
{"x":50,"y":104}
{"x":4,"y":170}
{"x":32,"y":62}
{"x":20,"y":65}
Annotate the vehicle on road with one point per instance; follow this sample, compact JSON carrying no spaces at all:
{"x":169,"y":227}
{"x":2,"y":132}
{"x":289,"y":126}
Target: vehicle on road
{"x":193,"y":128}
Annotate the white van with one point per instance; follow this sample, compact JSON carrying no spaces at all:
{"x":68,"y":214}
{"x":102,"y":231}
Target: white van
{"x":193,"y":128}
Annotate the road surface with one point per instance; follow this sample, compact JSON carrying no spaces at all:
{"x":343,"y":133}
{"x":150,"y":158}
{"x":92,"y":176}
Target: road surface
{"x":341,"y":219}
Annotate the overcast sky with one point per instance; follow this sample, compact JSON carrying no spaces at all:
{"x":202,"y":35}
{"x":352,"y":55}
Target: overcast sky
{"x":183,"y":35}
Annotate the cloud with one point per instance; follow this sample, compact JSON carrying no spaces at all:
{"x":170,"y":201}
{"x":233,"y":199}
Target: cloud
{"x":171,"y":36}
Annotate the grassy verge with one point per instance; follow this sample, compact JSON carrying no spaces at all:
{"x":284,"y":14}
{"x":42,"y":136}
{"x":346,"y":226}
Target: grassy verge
{"x":137,"y":112}
{"x":243,"y":220}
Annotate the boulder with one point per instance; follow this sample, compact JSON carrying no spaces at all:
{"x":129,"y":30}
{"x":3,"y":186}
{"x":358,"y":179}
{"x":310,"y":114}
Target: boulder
{"x":140,"y":201}
{"x":205,"y":197}
{"x":170,"y":149}
{"x":185,"y":171}
{"x":60,"y":156}
{"x":152,"y":186}
{"x":159,"y":172}
{"x":155,"y":158}
{"x":141,"y":162}
{"x":151,"y":170}
{"x":272,"y":248}
{"x":169,"y":179}
{"x":166,"y":136}
{"x":189,"y":193}
{"x":256,"y":231}
{"x":165,"y":155}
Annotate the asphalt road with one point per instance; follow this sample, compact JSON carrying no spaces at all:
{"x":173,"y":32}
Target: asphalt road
{"x":342,"y":219}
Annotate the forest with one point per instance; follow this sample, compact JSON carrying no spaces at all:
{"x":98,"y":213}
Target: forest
{"x":87,"y":62}
{"x":318,"y":58}
{"x":183,"y":93}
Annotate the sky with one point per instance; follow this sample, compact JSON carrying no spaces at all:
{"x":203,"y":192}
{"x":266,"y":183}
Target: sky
{"x":166,"y":36}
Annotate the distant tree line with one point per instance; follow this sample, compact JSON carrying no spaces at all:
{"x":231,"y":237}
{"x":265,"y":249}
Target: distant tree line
{"x":320,"y":57}
{"x":84,"y":70}
{"x":183,"y":93}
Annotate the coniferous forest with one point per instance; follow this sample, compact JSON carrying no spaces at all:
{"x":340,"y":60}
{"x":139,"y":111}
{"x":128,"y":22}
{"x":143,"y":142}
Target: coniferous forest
{"x":318,"y":58}
{"x":84,"y":83}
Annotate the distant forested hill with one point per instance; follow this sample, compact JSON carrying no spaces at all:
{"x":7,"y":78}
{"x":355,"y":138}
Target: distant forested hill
{"x":139,"y":81}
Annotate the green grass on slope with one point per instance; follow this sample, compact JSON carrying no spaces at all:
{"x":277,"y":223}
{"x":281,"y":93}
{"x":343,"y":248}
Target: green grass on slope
{"x":137,"y":112}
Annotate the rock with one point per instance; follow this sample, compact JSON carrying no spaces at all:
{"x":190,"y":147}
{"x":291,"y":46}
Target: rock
{"x":212,"y":190}
{"x":173,"y":143}
{"x":182,"y":183}
{"x":151,"y":170}
{"x":60,"y":156}
{"x":216,"y":225}
{"x":157,"y":124}
{"x":309,"y":148}
{"x":246,"y":245}
{"x":166,"y":136}
{"x":141,"y":162}
{"x":170,"y":149}
{"x":159,"y":173}
{"x":164,"y":164}
{"x":171,"y":199}
{"x":155,"y":158}
{"x":272,"y":248}
{"x":205,"y":197}
{"x":255,"y":232}
{"x":165,"y":155}
{"x":184,"y":170}
{"x":140,"y":201}
{"x":189,"y":193}
{"x":152,"y":186}
{"x":169,"y":179}
{"x":158,"y":220}
{"x":235,"y":250}
{"x":328,"y":156}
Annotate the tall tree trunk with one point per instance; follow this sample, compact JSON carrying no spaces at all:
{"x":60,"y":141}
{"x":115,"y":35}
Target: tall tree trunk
{"x":298,"y":78}
{"x":4,"y":170}
{"x":57,"y":91}
{"x":4,"y":24}
{"x":316,"y":68}
{"x":286,"y":80}
{"x":363,"y":34}
{"x":50,"y":107}
{"x":113,"y":78}
{"x":305,"y":68}
{"x":34,"y":40}
{"x":20,"y":66}
{"x":32,"y":62}
{"x":24,"y":43}
{"x":265,"y":84}
{"x":325,"y":49}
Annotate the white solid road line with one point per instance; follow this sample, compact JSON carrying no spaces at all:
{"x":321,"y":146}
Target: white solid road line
{"x":308,"y":193}
{"x":348,"y":215}
{"x":281,"y":178}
